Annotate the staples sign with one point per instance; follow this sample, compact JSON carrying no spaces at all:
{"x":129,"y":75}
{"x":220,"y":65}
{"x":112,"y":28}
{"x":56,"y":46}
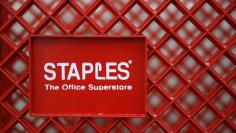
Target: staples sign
{"x":87,"y":76}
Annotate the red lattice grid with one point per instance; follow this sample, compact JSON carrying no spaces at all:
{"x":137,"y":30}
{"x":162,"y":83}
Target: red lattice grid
{"x":224,"y":31}
{"x":206,"y":14}
{"x":206,"y":84}
{"x":171,"y":49}
{"x":154,"y":32}
{"x":189,"y":32}
{"x":171,"y":15}
{"x":136,"y":15}
{"x":189,"y":67}
{"x":102,"y":16}
{"x":206,"y":117}
{"x":33,"y":16}
{"x":154,"y":4}
{"x":191,"y":61}
{"x":207,"y":49}
{"x":15,"y":33}
{"x":189,"y":4}
{"x":67,"y":16}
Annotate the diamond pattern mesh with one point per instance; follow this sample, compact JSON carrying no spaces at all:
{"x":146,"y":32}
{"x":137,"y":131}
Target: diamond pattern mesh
{"x":191,"y":61}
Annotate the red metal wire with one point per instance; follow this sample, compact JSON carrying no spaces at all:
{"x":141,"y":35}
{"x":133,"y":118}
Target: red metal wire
{"x":191,"y":64}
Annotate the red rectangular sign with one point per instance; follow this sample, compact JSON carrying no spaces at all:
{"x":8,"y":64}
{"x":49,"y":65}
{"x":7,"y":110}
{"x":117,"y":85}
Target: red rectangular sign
{"x":88,"y":76}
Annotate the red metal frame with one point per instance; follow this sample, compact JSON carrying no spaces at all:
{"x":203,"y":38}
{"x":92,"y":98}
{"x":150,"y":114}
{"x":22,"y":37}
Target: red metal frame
{"x":167,"y":111}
